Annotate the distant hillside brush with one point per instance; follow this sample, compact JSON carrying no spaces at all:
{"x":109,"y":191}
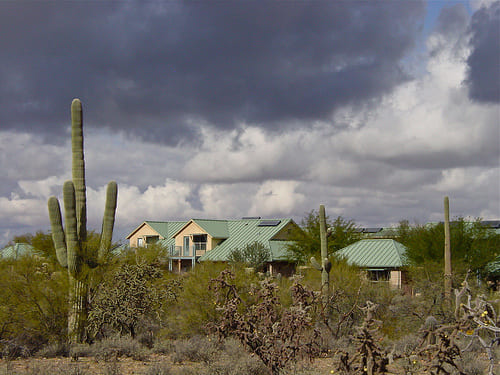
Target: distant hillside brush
{"x":254,"y":255}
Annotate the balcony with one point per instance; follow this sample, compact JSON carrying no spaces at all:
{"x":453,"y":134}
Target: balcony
{"x":195,"y":250}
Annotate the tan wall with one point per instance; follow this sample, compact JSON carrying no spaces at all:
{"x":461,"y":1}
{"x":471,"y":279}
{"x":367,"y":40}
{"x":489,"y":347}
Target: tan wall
{"x":191,"y":229}
{"x":143,"y":232}
{"x":215,"y":242}
{"x":396,"y":280}
{"x":284,"y":234}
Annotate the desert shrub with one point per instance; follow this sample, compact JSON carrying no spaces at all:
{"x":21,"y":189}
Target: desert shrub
{"x":58,"y":349}
{"x":159,"y":369}
{"x":472,"y":365}
{"x":50,"y":368}
{"x":33,"y":303}
{"x":234,"y":360}
{"x":195,"y":349}
{"x":78,"y":350}
{"x":125,"y":300}
{"x":275,"y":334}
{"x":195,"y":305}
{"x":406,"y":345}
{"x":163,"y":347}
{"x":369,"y":357}
{"x":111,"y":348}
{"x":254,"y":255}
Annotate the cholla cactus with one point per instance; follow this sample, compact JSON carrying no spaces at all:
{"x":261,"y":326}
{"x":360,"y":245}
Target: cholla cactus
{"x":71,"y":244}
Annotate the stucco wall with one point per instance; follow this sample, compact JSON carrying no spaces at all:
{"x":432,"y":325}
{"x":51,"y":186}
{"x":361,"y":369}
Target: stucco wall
{"x":143,"y":232}
{"x":189,"y":230}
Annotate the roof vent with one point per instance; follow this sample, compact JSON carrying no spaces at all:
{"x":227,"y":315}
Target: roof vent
{"x":250,"y":218}
{"x":269,"y":223}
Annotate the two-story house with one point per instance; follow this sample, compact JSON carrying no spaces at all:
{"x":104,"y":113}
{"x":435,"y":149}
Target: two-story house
{"x":199,"y":240}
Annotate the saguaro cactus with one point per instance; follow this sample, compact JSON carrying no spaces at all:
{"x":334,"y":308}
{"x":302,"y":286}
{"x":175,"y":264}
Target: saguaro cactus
{"x":325,"y":265}
{"x":71,"y":244}
{"x":447,"y":249}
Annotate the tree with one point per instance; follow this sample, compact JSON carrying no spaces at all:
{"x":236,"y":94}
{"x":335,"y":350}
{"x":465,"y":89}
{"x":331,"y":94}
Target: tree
{"x":254,"y":255}
{"x":306,"y":238}
{"x":474,"y":245}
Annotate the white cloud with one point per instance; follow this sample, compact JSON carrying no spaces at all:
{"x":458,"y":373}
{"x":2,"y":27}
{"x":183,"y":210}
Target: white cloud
{"x":276,"y":198}
{"x":377,"y":166}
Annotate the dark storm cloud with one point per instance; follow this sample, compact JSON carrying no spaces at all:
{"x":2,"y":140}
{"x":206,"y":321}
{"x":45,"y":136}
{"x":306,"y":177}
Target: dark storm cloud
{"x":452,"y":20}
{"x":154,"y":68}
{"x":484,"y":60}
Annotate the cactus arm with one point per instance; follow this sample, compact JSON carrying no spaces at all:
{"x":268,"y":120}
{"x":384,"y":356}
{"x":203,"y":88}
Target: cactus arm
{"x":315,"y":264}
{"x":108,"y":220}
{"x":78,"y":168}
{"x":72,"y":242}
{"x":58,"y":236}
{"x":327,"y":265}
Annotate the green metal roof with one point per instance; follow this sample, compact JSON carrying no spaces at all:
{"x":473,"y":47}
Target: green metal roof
{"x":375,"y":253}
{"x":493,"y":267}
{"x":244,"y":232}
{"x":166,"y":228}
{"x":16,"y":251}
{"x":215,"y":228}
{"x":279,"y":249}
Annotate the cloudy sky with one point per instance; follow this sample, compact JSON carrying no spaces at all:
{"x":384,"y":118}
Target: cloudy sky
{"x":226,"y":109}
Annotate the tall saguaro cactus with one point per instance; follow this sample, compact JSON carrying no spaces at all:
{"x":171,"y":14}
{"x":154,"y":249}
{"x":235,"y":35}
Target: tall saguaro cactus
{"x":447,"y":249}
{"x":325,"y":265}
{"x":71,"y":244}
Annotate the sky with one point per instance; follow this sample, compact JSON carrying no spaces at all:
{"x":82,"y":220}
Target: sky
{"x":226,"y":109}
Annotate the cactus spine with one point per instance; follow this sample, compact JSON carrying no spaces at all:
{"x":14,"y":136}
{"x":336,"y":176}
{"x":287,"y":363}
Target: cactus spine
{"x":447,"y":249}
{"x":71,"y":244}
{"x":325,"y":265}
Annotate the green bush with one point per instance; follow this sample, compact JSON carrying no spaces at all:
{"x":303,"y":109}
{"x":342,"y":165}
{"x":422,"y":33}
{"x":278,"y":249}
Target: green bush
{"x":33,"y":304}
{"x":195,"y":306}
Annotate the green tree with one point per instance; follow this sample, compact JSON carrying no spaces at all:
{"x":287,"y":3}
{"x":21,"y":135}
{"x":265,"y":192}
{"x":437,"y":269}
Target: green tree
{"x":41,"y":242}
{"x":306,"y":238}
{"x":254,"y":255}
{"x":33,"y":304}
{"x":473,"y":245}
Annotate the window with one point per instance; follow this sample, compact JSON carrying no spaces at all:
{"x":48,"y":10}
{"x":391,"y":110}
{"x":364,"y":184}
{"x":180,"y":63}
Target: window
{"x":140,"y":242}
{"x":200,"y":242}
{"x":379,"y":275}
{"x":152,"y":239}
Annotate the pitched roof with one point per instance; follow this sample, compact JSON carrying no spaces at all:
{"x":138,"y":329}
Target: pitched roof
{"x":165,"y":229}
{"x":16,"y":251}
{"x":246,"y":231}
{"x":215,"y":228}
{"x":375,"y":253}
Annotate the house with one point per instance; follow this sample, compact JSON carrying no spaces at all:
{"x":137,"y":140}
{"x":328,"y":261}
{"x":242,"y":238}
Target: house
{"x":382,"y":258}
{"x":202,"y":240}
{"x":16,"y":251}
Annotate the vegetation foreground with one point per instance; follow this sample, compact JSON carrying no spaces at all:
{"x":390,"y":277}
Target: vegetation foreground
{"x":214,"y":320}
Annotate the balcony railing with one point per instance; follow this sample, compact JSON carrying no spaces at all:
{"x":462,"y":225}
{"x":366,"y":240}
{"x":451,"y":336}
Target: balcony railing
{"x":198,"y":248}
